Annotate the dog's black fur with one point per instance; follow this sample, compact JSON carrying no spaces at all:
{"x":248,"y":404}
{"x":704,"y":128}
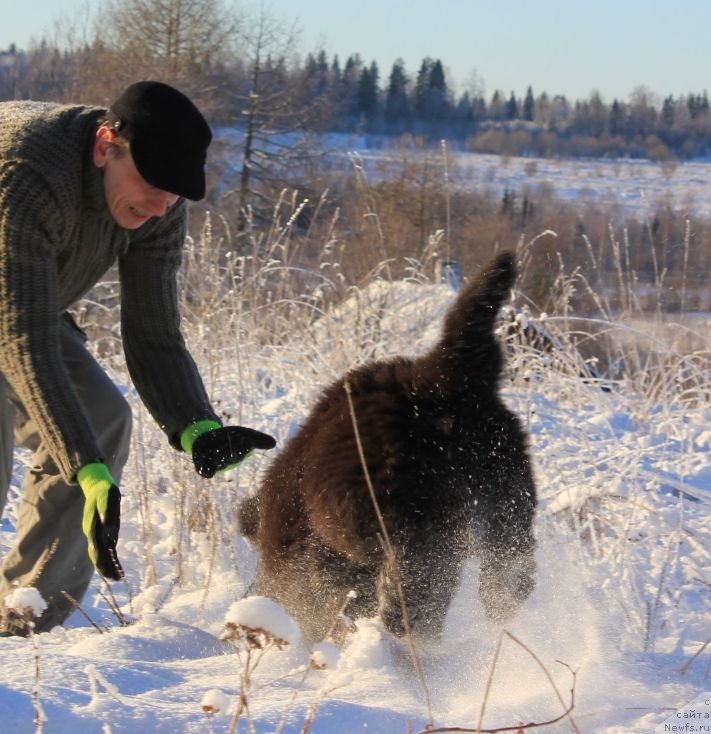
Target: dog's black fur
{"x":450,"y":468}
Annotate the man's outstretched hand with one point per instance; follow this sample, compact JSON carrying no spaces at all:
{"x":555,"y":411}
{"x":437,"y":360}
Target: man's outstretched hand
{"x":226,"y":446}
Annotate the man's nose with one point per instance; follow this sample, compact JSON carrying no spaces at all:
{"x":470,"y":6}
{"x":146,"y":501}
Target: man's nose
{"x":160,"y":202}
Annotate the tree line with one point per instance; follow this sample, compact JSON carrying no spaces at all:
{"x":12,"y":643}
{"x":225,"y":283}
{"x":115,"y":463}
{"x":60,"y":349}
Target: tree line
{"x":248,"y":69}
{"x":265,"y":100}
{"x":543,"y":124}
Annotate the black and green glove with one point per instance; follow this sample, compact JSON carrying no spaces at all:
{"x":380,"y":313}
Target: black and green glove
{"x":102,"y":518}
{"x":217,"y":448}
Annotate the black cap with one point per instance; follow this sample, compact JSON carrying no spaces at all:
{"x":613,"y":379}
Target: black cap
{"x":168,"y":137}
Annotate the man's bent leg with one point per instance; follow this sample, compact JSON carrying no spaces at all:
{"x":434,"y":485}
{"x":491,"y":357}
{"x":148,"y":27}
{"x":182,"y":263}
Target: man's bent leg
{"x":7,"y":442}
{"x":50,"y":552}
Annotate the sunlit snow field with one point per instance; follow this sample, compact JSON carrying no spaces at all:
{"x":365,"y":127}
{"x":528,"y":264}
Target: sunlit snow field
{"x":614,"y":631}
{"x":628,"y":186}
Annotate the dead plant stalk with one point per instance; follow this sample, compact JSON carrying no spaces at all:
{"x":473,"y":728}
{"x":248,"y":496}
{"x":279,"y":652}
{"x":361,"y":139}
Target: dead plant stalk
{"x":388,"y":549}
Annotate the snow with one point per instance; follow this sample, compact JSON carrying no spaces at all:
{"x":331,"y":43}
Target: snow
{"x":259,"y":613}
{"x":215,"y":702}
{"x":25,"y":601}
{"x":624,"y":186}
{"x":620,"y":614}
{"x":628,"y":186}
{"x":324,"y":655}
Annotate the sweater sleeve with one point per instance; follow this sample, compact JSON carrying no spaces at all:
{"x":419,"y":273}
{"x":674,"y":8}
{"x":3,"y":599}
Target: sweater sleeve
{"x":158,"y":360}
{"x":30,"y":355}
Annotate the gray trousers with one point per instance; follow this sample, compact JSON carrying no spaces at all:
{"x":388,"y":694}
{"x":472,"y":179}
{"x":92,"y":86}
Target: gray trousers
{"x":50,"y":551}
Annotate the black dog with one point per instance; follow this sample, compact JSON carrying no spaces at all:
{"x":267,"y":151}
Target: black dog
{"x":449,"y":466}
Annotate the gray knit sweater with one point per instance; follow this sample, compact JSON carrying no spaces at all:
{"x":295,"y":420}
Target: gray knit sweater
{"x":57,"y":238}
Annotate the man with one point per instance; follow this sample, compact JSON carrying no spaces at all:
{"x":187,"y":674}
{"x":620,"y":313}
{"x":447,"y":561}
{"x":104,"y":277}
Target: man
{"x":80,"y":188}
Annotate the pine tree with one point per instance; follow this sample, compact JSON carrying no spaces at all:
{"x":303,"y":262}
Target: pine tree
{"x":436,"y":80}
{"x":368,"y":92}
{"x":317,"y":75}
{"x":512,"y":108}
{"x":439,"y":105}
{"x":421,"y":88}
{"x":497,"y":107}
{"x":479,"y":111}
{"x":347,"y":96}
{"x":667,"y":115}
{"x":666,"y":122}
{"x":398,"y":113}
{"x":432,"y":105}
{"x":335,"y":71}
{"x":617,"y":124}
{"x":694,"y":105}
{"x":528,"y":105}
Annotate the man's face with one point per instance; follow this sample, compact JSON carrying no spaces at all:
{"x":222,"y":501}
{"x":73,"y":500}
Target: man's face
{"x":132,"y":201}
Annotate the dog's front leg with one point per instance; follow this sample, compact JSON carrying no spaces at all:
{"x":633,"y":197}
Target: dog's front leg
{"x":426,"y":572}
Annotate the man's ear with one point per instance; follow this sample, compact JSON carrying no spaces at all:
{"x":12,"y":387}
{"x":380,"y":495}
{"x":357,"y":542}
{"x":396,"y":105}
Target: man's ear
{"x":102,"y":143}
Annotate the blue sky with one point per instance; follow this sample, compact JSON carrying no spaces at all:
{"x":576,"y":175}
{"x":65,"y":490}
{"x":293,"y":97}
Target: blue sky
{"x":558,"y":46}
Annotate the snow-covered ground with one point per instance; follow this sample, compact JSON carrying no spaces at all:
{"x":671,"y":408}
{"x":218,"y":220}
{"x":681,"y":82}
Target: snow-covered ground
{"x":621,"y":186}
{"x":621,"y":608}
{"x":624,"y":186}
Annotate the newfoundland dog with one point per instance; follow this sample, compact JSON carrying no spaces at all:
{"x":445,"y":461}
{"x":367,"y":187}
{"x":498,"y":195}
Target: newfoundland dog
{"x":447,"y":462}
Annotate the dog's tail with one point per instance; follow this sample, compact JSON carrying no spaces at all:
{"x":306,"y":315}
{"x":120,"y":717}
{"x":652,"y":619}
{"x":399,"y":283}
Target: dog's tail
{"x":468,"y":345}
